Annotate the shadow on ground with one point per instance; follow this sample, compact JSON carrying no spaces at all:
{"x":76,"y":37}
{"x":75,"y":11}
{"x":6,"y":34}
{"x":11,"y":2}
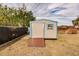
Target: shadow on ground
{"x":5,"y":45}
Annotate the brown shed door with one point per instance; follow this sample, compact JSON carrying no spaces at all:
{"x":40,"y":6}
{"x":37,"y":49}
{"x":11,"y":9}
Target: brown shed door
{"x":37,"y":30}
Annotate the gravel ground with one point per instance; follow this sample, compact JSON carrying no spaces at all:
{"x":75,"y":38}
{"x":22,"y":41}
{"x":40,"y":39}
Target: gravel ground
{"x":66,"y":44}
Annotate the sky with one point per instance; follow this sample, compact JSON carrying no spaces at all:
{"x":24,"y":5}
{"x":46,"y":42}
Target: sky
{"x":63,"y":13}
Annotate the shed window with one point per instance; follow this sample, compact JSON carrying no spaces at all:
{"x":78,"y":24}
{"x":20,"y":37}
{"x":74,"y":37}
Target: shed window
{"x":50,"y":26}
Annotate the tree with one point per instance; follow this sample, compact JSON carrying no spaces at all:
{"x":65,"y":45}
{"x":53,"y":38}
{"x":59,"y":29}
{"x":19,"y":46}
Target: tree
{"x":76,"y":22}
{"x":14,"y":17}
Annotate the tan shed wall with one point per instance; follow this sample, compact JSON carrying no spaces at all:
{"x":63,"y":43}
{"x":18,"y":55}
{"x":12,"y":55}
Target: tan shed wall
{"x":37,"y":30}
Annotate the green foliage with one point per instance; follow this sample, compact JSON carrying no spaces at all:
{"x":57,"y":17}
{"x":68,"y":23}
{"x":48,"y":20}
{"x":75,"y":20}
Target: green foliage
{"x":15,"y":17}
{"x":76,"y":21}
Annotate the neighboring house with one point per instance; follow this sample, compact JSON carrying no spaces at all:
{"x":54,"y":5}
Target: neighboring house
{"x":43,"y":29}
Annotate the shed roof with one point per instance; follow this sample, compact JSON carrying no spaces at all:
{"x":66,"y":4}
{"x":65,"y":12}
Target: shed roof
{"x":45,"y":20}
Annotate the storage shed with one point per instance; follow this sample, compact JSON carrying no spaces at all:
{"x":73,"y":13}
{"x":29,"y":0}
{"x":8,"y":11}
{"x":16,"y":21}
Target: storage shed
{"x":43,"y":29}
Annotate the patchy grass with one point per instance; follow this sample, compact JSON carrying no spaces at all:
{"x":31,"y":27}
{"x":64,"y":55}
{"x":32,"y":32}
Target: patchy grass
{"x":66,"y":44}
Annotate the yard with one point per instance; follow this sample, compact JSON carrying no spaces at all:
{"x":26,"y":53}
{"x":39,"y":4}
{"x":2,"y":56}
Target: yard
{"x":66,"y":44}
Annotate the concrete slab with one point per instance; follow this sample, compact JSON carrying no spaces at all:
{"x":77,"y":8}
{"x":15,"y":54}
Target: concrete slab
{"x":36,"y":42}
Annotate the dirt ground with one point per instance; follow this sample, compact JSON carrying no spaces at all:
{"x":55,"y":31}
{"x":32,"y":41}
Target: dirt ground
{"x":65,"y":45}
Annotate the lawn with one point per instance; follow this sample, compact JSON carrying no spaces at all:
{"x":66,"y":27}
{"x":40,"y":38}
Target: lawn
{"x":66,"y":44}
